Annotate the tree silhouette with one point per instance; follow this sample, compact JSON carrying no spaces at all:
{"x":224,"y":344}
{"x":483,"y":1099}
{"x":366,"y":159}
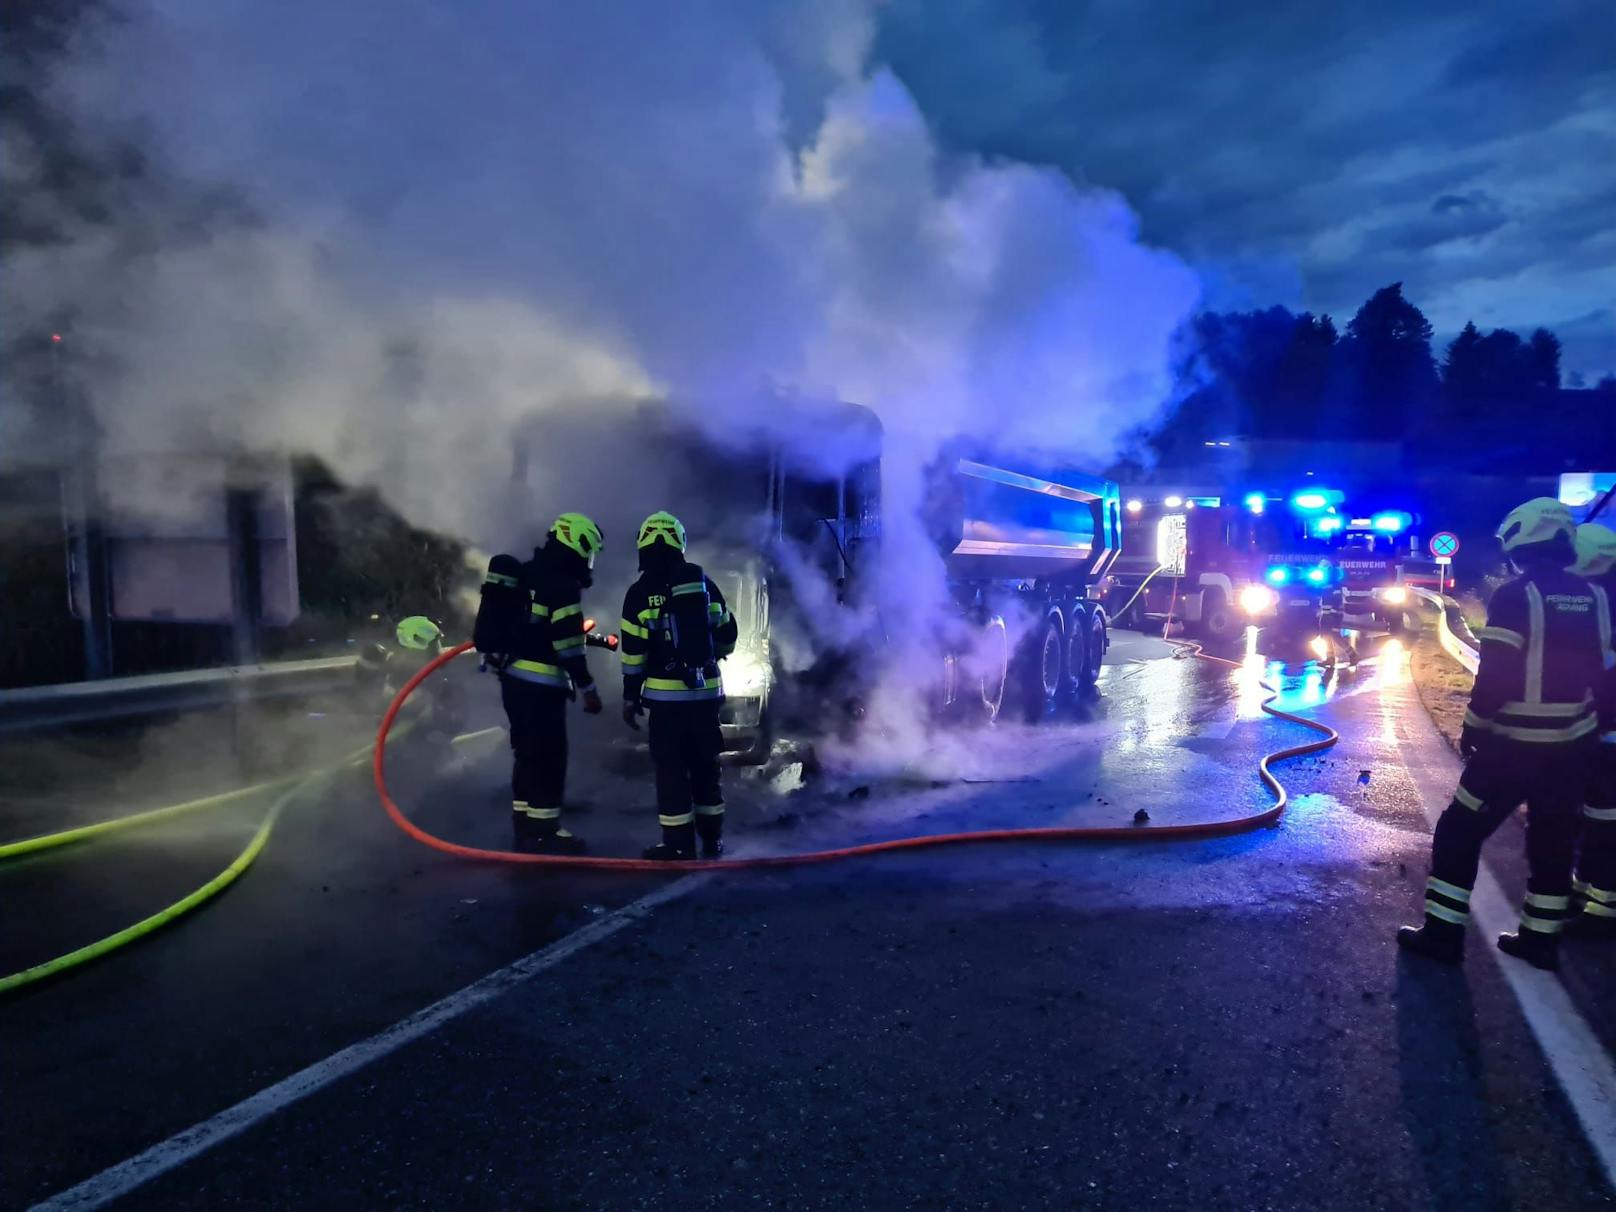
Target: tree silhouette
{"x":1485,"y":377}
{"x":1543,"y":354}
{"x":1462,"y":370}
{"x":1391,"y":375}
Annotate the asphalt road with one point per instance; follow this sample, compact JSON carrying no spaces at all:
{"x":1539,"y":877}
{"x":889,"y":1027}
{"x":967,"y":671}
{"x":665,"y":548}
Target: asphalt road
{"x":1216,"y":1024}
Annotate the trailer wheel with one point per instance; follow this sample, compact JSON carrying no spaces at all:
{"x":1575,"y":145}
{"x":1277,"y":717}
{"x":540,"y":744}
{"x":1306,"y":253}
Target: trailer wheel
{"x":1044,"y":668}
{"x":1094,"y":651}
{"x":947,"y":689}
{"x":993,"y":655}
{"x":1077,"y":651}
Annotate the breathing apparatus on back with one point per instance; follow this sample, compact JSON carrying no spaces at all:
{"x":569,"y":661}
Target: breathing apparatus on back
{"x":685,"y":643}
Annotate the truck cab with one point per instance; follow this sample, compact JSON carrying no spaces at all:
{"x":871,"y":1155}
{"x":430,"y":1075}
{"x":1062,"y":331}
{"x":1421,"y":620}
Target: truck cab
{"x":1369,"y":547}
{"x":1192,"y":557}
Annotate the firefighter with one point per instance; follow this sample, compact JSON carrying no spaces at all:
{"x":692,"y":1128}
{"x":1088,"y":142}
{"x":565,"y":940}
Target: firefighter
{"x":439,"y":710}
{"x":1528,"y":736}
{"x":542,"y":672}
{"x":1594,"y":887}
{"x":676,"y":628}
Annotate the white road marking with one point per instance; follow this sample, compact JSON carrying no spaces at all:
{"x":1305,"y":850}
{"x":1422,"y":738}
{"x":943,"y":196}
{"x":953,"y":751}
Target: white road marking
{"x":1579,"y":1061}
{"x":124,"y":1177}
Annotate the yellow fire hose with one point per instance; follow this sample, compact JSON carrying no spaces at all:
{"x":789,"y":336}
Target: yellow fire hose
{"x":291,"y":787}
{"x":67,"y":837}
{"x":156,"y":921}
{"x":1119,"y":614}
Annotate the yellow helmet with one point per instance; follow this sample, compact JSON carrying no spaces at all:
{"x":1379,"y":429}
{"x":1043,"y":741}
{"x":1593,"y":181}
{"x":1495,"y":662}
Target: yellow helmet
{"x":1596,"y":550}
{"x":662,"y":527}
{"x":580,"y":533}
{"x":419,"y":632}
{"x":1540,"y":520}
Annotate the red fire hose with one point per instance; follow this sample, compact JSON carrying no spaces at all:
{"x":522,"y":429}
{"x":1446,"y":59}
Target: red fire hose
{"x":1128,"y":833}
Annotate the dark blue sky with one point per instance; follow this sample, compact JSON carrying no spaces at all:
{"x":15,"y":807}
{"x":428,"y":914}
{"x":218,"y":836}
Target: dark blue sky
{"x":1307,"y":154}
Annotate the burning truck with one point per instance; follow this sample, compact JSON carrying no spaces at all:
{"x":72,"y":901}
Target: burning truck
{"x":1024,"y":550}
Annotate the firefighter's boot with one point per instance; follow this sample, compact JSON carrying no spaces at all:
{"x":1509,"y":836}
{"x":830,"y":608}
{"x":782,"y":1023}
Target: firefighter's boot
{"x":710,"y":832}
{"x":678,"y":844}
{"x":1534,"y":946}
{"x":524,"y":830}
{"x":1437,"y":940}
{"x":558,"y":841}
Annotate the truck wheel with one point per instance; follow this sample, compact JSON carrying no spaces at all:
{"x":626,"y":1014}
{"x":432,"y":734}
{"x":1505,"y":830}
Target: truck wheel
{"x":760,"y":745}
{"x":1094,"y":650}
{"x":1077,"y":652}
{"x":1218,"y":619}
{"x":946,"y":693}
{"x":993,"y":674}
{"x":1044,"y":668}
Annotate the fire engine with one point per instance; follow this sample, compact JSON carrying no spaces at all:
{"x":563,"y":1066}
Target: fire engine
{"x":1213,"y":561}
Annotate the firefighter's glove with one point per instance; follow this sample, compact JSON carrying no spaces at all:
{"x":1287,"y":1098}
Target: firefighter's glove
{"x":592,"y":704}
{"x":632,"y":712}
{"x":1469,"y":741}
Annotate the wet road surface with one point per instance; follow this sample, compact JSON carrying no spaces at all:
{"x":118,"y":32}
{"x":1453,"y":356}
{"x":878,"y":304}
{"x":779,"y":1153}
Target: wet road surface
{"x":1208,"y":1024}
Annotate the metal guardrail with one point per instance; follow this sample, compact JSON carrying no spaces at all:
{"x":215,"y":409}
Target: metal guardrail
{"x":117,"y":698}
{"x":1452,"y":632}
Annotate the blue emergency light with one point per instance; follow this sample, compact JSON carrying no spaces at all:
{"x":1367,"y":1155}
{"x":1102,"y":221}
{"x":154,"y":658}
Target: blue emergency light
{"x":1255,"y":501}
{"x":1328,"y":525}
{"x":1390,"y":523}
{"x":1318,"y":575}
{"x":1310,"y":500}
{"x":1278,"y":574}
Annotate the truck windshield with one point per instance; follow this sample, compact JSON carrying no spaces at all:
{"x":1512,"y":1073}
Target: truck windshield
{"x":1364,"y":544}
{"x":1279,"y":532}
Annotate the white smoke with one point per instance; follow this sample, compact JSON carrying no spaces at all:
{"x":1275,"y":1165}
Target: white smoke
{"x":469,"y":215}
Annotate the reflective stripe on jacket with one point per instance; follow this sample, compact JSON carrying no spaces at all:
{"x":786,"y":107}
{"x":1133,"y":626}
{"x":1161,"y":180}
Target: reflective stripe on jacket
{"x":550,"y":646}
{"x":1544,"y":655}
{"x":645,"y":647}
{"x":539,"y":673}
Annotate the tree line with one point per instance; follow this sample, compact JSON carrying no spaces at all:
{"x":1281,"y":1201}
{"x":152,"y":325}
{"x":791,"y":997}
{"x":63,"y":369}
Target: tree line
{"x":1279,"y":374}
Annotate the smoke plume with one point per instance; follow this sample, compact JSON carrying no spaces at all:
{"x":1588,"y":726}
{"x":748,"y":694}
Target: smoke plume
{"x":467,"y":233}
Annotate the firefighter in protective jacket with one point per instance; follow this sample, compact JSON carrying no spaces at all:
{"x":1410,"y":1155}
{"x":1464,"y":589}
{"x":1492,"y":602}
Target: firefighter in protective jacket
{"x":533,"y":632}
{"x":676,"y":628}
{"x":1594,"y":888}
{"x":1528,"y":736}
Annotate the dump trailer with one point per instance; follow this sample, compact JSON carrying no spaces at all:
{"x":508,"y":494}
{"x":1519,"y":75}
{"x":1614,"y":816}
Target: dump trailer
{"x":1029,"y":546}
{"x":1024,"y":549}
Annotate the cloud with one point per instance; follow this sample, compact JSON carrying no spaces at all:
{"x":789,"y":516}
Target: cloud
{"x":473,"y":239}
{"x":1249,"y":135}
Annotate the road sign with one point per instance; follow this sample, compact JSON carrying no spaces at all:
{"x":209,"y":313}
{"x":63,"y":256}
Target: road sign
{"x":1443,"y":544}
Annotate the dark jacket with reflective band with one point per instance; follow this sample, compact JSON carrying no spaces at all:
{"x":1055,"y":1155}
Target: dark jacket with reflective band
{"x":1607,"y":686}
{"x":646,"y":646}
{"x":550,"y":648}
{"x":1545,"y":653}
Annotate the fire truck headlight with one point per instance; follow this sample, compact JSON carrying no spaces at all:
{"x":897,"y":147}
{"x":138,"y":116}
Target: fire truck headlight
{"x":1257,"y":599}
{"x":1394,"y":596}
